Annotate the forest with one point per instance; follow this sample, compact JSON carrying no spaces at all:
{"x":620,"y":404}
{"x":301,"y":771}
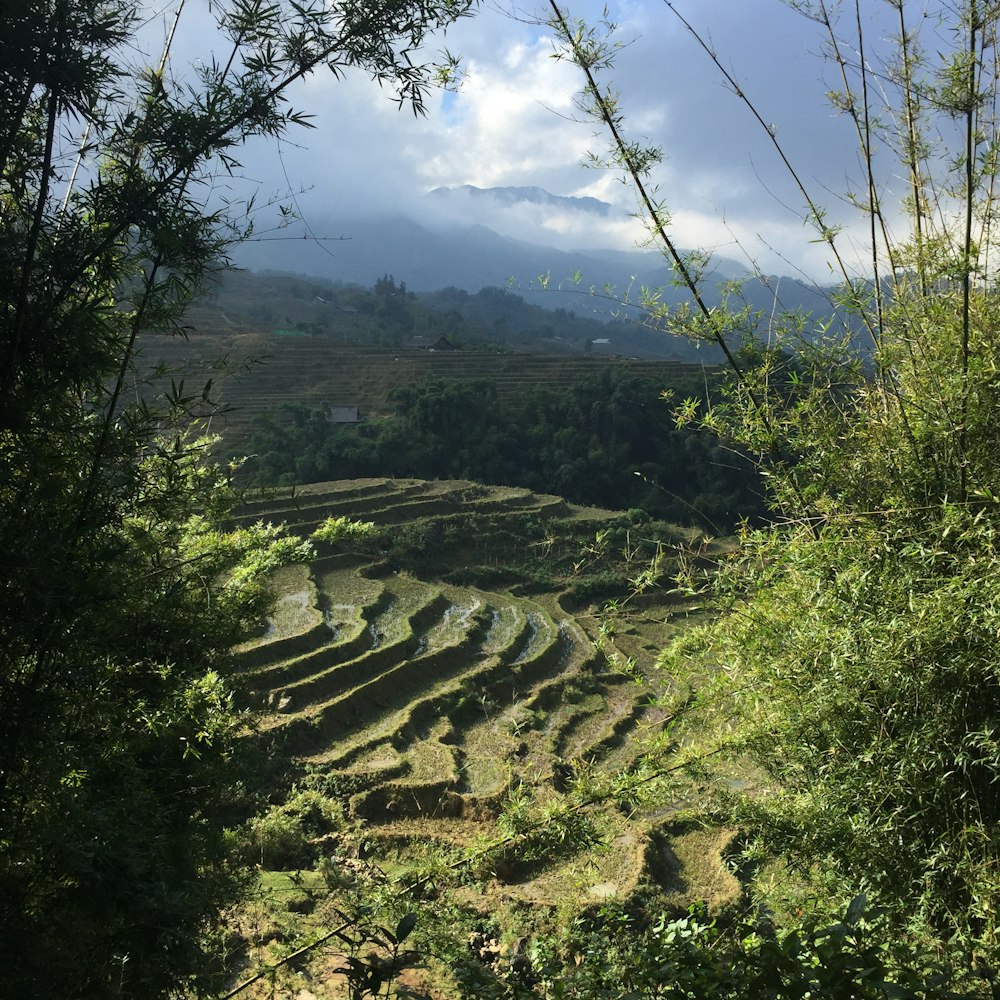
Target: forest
{"x":394,"y":737}
{"x":388,"y":315}
{"x":610,"y":441}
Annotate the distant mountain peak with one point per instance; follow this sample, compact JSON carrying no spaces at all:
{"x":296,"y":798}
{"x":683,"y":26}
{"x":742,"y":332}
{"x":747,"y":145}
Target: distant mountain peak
{"x":529,"y":195}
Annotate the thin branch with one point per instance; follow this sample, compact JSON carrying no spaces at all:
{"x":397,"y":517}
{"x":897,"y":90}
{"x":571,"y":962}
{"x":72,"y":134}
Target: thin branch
{"x":653,"y":214}
{"x":298,"y":953}
{"x":27,"y":267}
{"x":866,"y":150}
{"x":910,"y":108}
{"x":970,"y":166}
{"x":627,"y":155}
{"x":817,"y":215}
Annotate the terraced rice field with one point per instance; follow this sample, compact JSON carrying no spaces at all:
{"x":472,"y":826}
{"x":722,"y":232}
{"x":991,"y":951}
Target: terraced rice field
{"x":266,"y":372}
{"x":428,"y":689}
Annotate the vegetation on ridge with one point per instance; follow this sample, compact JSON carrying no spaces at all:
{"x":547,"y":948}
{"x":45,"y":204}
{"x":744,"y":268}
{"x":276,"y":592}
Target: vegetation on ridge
{"x":609,"y":439}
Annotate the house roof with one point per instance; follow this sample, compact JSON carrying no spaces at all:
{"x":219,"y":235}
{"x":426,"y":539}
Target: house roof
{"x":339,"y":413}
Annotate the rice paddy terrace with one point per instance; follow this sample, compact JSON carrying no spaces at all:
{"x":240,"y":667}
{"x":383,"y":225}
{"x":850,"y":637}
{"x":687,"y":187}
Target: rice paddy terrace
{"x":453,"y":663}
{"x":263,"y":372}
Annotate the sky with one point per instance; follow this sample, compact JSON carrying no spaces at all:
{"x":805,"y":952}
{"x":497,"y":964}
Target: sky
{"x":514,"y":122}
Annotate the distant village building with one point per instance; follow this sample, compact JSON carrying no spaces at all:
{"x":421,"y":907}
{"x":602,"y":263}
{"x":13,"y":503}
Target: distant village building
{"x":429,"y":344}
{"x":339,"y":414}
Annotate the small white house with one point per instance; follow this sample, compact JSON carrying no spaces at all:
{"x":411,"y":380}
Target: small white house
{"x":339,"y":414}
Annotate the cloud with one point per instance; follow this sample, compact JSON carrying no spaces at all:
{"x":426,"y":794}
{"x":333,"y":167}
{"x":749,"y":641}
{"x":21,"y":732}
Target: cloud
{"x":514,"y":122}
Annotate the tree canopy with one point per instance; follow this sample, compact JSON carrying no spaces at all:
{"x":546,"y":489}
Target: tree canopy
{"x":120,"y":596}
{"x":608,"y":440}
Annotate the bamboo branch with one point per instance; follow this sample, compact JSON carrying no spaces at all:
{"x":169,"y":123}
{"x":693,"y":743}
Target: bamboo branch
{"x":653,"y":215}
{"x":816,"y":215}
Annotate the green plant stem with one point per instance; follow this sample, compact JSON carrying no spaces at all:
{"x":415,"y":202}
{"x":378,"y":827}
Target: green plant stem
{"x":636,"y":176}
{"x":27,"y":266}
{"x":967,"y":264}
{"x":912,"y":158}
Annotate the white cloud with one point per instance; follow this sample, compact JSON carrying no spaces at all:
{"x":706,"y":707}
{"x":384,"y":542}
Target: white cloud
{"x":506,"y":126}
{"x":513,"y":123}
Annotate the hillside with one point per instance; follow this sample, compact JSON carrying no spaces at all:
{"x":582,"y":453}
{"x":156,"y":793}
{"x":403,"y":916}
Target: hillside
{"x":442,"y":249}
{"x":385,"y":312}
{"x":264,"y":372}
{"x":436,"y":679}
{"x":307,"y":404}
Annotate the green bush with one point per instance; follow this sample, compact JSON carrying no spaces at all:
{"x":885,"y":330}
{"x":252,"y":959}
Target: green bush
{"x":284,"y":838}
{"x":853,"y":957}
{"x":336,"y":529}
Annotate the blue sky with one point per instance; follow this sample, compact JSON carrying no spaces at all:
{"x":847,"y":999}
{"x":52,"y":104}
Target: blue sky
{"x":514,"y":122}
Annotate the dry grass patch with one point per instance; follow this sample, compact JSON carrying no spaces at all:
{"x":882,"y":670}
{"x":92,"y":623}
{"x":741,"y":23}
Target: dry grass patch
{"x":690,"y":864}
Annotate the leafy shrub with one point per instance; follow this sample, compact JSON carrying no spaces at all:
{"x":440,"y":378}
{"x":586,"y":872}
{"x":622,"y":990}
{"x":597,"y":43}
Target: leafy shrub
{"x":853,"y":956}
{"x":599,"y":584}
{"x":284,"y":837}
{"x":336,"y":529}
{"x":277,"y":841}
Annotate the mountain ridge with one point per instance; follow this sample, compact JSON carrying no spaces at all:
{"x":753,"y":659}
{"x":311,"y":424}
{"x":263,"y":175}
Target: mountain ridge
{"x":429,"y":251}
{"x":530,"y":194}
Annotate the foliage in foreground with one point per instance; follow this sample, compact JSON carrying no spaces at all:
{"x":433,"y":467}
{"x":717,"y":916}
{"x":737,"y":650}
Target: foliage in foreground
{"x":856,"y":654}
{"x":859,"y":651}
{"x":119,"y":596}
{"x":620,"y":951}
{"x":690,"y":957}
{"x":612,"y":954}
{"x":118,"y":721}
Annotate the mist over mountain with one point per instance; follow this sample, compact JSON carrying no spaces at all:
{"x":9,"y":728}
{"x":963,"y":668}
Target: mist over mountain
{"x":467,"y":238}
{"x":521,"y":195}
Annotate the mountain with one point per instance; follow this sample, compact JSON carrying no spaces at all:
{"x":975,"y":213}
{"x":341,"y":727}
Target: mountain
{"x":427,"y":258}
{"x":449,"y":246}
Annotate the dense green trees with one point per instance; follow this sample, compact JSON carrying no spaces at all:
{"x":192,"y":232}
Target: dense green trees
{"x":859,"y":639}
{"x":119,"y":596}
{"x":609,"y":440}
